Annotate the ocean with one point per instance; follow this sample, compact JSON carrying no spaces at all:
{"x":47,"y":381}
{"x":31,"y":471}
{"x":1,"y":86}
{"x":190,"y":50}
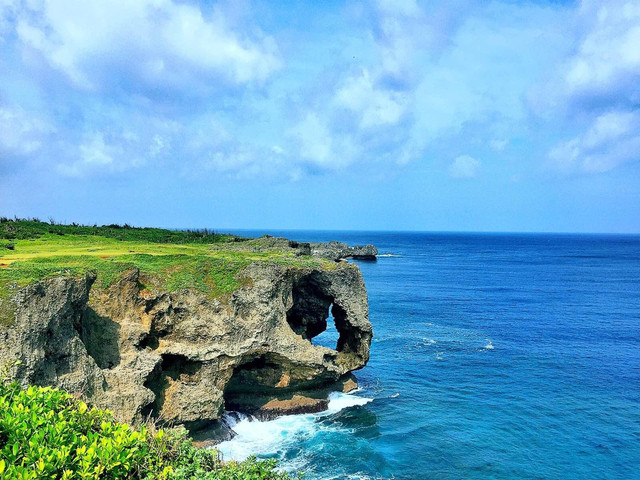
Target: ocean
{"x":502,"y":356}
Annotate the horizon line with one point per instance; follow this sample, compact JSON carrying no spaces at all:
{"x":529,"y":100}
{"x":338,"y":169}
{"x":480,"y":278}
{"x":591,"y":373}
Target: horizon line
{"x":472,"y":232}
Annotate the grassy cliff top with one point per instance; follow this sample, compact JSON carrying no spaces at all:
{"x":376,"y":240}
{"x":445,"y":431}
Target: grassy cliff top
{"x":31,"y":250}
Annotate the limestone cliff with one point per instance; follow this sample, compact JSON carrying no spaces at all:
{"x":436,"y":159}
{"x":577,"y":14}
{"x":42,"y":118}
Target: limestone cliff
{"x":182,"y":356}
{"x":338,"y":250}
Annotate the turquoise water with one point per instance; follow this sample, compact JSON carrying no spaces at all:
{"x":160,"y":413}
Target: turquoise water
{"x":494,"y":356}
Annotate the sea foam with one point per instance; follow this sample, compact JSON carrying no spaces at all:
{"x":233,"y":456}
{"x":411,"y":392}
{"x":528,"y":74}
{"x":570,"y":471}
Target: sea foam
{"x":270,"y":438}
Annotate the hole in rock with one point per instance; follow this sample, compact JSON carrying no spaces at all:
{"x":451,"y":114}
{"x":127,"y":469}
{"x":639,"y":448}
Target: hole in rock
{"x":328,"y":338}
{"x":314,"y":315}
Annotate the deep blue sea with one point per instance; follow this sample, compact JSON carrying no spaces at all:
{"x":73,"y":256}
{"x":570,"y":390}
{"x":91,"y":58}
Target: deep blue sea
{"x":503,"y":356}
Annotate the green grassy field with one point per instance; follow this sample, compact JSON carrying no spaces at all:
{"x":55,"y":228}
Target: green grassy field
{"x":212,"y":263}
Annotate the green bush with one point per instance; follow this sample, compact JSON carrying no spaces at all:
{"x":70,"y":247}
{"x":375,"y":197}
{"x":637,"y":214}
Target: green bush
{"x":23,"y":228}
{"x":47,"y":434}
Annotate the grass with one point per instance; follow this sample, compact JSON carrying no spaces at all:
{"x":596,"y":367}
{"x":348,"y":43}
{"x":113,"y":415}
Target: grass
{"x":31,"y":250}
{"x":22,"y":229}
{"x":48,"y":434}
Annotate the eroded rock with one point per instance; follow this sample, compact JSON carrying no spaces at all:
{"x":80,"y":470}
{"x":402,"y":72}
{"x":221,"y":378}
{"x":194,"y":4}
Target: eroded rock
{"x":180,"y":356}
{"x":338,"y":251}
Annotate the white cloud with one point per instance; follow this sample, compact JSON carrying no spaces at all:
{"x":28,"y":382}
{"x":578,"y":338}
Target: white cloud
{"x":612,"y":139}
{"x":404,"y":31}
{"x":245,"y":161}
{"x":498,"y":144}
{"x":20,"y":133}
{"x":374,"y":106}
{"x":464,"y":166}
{"x":419,"y":76}
{"x":109,"y":152}
{"x":607,"y":61}
{"x":144,"y":44}
{"x":600,"y":82}
{"x":92,"y":155}
{"x":316,"y":142}
{"x":159,"y":144}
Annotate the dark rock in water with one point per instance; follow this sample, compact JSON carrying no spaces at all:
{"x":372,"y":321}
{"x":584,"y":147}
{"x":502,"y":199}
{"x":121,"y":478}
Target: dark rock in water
{"x":267,"y":409}
{"x":216,"y":432}
{"x":364,"y":252}
{"x":180,"y":356}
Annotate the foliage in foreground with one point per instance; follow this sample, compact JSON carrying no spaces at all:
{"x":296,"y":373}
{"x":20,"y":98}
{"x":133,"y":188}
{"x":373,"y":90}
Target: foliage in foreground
{"x":47,"y":434}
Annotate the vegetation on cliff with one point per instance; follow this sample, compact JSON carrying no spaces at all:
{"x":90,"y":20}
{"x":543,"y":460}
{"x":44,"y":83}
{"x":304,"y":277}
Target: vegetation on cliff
{"x":31,"y":250}
{"x":48,"y":434}
{"x":25,"y":229}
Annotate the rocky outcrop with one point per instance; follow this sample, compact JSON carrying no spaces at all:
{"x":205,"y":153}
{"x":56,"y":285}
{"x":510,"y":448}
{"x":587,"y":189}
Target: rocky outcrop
{"x":182,"y":356}
{"x":337,"y":251}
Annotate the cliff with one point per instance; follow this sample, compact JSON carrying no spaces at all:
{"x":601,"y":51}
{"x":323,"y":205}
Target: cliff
{"x":338,"y":250}
{"x":183,"y":355}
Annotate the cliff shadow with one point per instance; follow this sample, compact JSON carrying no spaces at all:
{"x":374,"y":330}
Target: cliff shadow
{"x":269,"y":385}
{"x":101,"y":337}
{"x":172,"y":368}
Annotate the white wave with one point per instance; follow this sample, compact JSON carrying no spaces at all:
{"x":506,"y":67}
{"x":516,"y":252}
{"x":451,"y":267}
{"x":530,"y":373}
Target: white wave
{"x":339,"y":401}
{"x":264,"y":438}
{"x":254,"y":437}
{"x":426,"y":342}
{"x":388,"y":255}
{"x":489,"y":346}
{"x":356,"y":476}
{"x":395,"y":395}
{"x":231,"y":419}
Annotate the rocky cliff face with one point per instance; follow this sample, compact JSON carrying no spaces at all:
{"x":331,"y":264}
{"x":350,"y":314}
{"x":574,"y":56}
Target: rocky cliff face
{"x":183,"y":357}
{"x":338,"y":251}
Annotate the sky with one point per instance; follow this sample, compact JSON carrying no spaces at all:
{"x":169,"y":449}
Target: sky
{"x":511,"y":116}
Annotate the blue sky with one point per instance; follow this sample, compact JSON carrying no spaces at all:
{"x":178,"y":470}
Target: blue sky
{"x":387,"y":115}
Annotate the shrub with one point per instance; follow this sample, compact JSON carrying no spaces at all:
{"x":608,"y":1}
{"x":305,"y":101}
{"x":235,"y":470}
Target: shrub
{"x":47,"y":434}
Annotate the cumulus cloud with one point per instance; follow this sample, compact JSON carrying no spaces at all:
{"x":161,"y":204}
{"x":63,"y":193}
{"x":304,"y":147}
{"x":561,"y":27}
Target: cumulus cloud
{"x":601,"y":82}
{"x":611,"y":140}
{"x":405,"y":30}
{"x":498,"y":144}
{"x":163,"y":80}
{"x":143,"y":45}
{"x":464,"y":166}
{"x":606,"y":66}
{"x":372,"y":103}
{"x":374,"y":106}
{"x":98,"y":152}
{"x":21,"y":134}
{"x":319,"y":145}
